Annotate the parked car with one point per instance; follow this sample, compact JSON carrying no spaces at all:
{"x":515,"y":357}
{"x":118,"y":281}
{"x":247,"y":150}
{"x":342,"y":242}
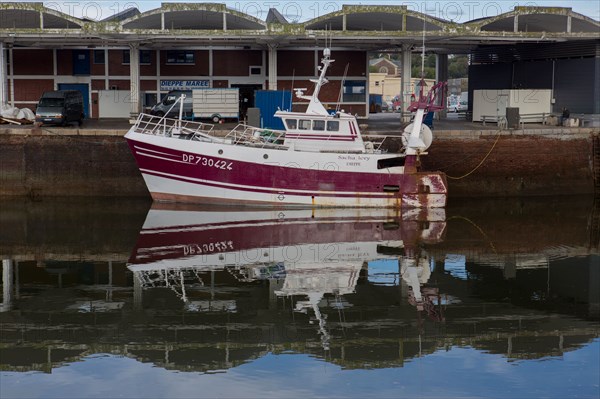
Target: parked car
{"x":461,"y":106}
{"x":60,"y":107}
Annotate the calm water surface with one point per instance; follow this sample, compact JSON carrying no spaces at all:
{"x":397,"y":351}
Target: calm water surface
{"x":122,"y":298}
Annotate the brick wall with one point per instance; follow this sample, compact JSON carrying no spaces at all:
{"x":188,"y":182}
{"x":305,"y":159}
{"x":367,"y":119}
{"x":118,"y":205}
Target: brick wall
{"x":33,"y":62}
{"x":32,"y":90}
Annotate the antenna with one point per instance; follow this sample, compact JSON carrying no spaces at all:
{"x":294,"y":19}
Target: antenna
{"x":423,"y":53}
{"x":339,"y":102}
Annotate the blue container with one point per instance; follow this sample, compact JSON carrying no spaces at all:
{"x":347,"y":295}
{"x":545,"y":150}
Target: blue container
{"x":269,"y":101}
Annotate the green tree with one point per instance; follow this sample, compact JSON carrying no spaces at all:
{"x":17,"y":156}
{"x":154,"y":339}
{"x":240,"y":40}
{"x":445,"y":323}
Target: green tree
{"x":429,"y":66}
{"x":458,"y":66}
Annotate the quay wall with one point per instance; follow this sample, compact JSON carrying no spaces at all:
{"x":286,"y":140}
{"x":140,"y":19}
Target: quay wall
{"x":37,"y":163}
{"x":509,"y":163}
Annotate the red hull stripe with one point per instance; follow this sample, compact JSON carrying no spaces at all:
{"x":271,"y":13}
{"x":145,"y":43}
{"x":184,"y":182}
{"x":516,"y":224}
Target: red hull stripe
{"x":318,"y":137}
{"x":265,"y":190}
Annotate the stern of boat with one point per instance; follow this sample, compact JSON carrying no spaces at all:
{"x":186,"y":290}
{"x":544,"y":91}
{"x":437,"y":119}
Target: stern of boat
{"x":430,"y":190}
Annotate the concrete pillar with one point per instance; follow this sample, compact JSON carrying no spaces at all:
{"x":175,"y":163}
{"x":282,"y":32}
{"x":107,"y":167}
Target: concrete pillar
{"x":597,"y":81}
{"x":3,"y":78}
{"x":441,"y":75}
{"x":134,"y":78}
{"x":10,"y":92}
{"x":405,"y":81}
{"x":272,"y":67}
{"x":7,"y":285}
{"x":106,"y":71}
{"x":158,"y":75}
{"x":516,"y":24}
{"x":224,"y":21}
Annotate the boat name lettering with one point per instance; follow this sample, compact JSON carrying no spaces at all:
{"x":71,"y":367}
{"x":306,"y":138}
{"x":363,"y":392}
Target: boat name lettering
{"x":197,"y":249}
{"x":200,"y":160}
{"x":353,"y":157}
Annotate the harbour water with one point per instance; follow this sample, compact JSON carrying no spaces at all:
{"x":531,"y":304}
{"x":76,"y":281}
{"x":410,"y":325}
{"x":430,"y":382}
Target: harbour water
{"x":123,"y":298}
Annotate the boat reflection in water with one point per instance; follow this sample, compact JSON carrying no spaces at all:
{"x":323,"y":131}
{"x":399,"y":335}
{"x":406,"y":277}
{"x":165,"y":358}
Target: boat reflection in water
{"x":317,"y":255}
{"x":208,"y":290}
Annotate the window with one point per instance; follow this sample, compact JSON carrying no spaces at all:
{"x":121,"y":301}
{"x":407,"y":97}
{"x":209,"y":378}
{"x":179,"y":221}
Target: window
{"x":333,"y":126}
{"x":145,"y":57}
{"x":318,"y":125}
{"x":255,"y":70}
{"x":180,"y":57}
{"x":354,"y":91}
{"x":304,"y":124}
{"x":291,"y":123}
{"x":99,"y":57}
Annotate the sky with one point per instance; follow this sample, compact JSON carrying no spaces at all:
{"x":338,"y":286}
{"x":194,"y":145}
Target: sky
{"x":304,"y":10}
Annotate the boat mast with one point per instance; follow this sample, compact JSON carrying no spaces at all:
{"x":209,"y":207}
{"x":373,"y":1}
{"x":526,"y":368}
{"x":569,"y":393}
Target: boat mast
{"x":314,"y":105}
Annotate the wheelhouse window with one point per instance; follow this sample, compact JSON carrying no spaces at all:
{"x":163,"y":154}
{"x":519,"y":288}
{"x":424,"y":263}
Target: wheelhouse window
{"x":333,"y":126}
{"x":180,"y":57}
{"x":304,"y":124}
{"x":291,"y":123}
{"x":318,"y":125}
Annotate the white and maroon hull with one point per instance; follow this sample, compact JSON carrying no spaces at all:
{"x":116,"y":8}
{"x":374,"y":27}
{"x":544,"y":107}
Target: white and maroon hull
{"x":210,"y":172}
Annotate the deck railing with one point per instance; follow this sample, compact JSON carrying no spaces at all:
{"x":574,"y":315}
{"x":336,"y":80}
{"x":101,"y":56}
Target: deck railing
{"x":168,"y":127}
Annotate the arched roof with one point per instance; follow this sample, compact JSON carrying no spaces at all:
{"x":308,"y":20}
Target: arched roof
{"x":354,"y":26}
{"x":375,"y":18}
{"x":193,"y":16}
{"x":538,"y":19}
{"x":35,"y":16}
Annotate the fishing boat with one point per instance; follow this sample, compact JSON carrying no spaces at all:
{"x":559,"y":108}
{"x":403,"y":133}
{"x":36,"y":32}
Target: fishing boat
{"x":319,"y":160}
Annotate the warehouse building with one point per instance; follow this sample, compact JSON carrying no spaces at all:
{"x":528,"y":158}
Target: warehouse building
{"x":127,"y":62}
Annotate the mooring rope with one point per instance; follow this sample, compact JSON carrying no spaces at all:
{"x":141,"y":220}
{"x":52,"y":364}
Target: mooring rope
{"x":480,"y":163}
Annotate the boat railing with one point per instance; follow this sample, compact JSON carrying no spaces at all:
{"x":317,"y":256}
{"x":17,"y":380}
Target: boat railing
{"x":168,"y":127}
{"x":256,"y":137}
